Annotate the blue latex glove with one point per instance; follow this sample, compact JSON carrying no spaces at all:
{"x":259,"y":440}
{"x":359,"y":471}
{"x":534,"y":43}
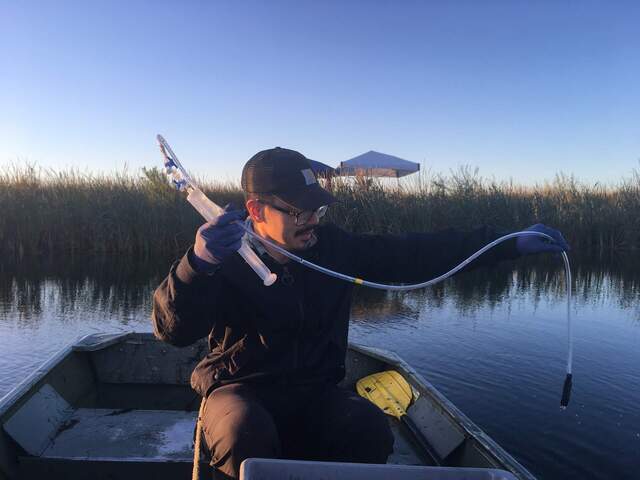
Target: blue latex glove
{"x":530,"y":244}
{"x":217,"y":240}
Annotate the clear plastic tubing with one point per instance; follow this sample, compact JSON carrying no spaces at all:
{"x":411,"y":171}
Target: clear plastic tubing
{"x":404,"y":287}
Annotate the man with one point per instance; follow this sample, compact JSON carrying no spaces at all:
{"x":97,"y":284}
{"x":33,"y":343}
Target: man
{"x":277,"y":353}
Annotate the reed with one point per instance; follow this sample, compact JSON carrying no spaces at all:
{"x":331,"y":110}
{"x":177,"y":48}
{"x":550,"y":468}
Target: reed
{"x":52,"y":213}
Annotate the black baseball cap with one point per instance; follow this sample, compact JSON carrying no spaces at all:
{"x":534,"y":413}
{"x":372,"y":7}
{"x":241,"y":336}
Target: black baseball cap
{"x":286,"y":174}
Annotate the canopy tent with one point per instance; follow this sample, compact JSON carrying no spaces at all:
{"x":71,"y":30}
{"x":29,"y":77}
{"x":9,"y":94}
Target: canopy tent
{"x":376,"y":164}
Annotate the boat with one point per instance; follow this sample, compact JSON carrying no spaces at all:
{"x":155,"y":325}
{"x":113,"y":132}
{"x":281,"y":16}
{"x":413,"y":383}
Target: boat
{"x":119,"y":405}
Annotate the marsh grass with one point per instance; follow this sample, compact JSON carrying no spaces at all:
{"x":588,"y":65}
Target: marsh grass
{"x":46,"y":212}
{"x":595,"y":218}
{"x":71,"y":212}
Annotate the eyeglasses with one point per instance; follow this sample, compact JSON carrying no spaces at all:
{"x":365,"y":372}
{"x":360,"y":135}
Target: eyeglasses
{"x":301,"y":218}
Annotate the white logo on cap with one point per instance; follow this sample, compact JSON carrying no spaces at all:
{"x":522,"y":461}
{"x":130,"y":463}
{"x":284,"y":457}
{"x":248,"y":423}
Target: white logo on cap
{"x":309,"y":177}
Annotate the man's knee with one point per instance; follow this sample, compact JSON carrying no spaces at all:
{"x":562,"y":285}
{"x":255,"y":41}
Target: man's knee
{"x":373,"y":432}
{"x":362,"y":432}
{"x":237,"y":427}
{"x":245,"y":430}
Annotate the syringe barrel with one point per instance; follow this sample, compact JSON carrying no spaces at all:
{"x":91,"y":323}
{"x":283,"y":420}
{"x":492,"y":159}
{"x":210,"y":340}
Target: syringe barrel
{"x":210,"y":211}
{"x":258,"y":265}
{"x":205,"y":207}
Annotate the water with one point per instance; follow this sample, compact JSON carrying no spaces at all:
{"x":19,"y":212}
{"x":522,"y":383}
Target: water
{"x":493,"y":342}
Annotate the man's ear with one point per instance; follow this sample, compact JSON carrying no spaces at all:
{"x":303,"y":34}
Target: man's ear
{"x":256,"y":210}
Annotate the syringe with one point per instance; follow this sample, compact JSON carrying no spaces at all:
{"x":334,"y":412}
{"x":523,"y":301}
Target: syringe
{"x":208,"y":209}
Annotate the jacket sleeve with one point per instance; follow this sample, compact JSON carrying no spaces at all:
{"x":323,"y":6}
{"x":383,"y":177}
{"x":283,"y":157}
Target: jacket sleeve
{"x":418,"y":257}
{"x":184,"y":304}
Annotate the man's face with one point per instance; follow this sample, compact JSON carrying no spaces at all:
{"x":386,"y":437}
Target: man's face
{"x":280,"y":226}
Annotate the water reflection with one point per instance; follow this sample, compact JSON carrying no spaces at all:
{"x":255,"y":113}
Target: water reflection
{"x":117,"y":285}
{"x":110,"y":285}
{"x":537,"y":279}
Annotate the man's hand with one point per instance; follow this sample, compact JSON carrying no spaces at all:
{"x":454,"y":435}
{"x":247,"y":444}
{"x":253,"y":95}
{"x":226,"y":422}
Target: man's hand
{"x":530,"y":244}
{"x":217,"y":240}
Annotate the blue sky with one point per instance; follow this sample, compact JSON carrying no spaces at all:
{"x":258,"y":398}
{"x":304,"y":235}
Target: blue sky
{"x":521,"y":90}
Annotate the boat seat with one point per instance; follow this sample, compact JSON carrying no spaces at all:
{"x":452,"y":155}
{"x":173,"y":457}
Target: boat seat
{"x":152,"y":435}
{"x":272,"y":469}
{"x":126,"y":435}
{"x":48,"y":427}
